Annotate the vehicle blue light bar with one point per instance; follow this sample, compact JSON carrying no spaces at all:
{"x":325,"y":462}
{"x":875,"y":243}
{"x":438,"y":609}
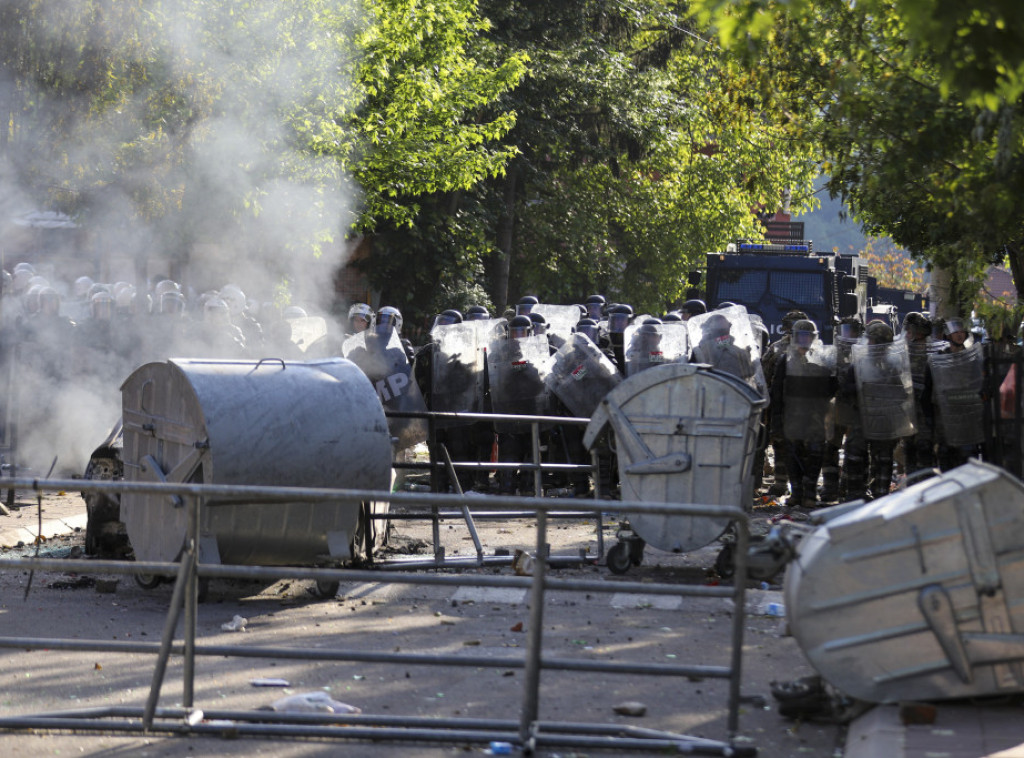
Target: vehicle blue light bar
{"x":770,"y":247}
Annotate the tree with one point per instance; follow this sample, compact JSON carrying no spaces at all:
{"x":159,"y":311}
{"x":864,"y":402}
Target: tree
{"x":925,"y":143}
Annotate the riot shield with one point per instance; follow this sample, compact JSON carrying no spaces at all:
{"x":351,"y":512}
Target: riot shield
{"x":808,"y":392}
{"x":957,"y":380}
{"x":740,"y":330}
{"x":386,"y":365}
{"x":457,"y":369}
{"x":885,"y":391}
{"x":666,"y":343}
{"x":847,"y":413}
{"x":517,"y":369}
{"x":581,"y":375}
{"x":307,"y":330}
{"x":561,"y":319}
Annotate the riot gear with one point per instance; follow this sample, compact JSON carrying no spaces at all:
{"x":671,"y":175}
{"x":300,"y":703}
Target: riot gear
{"x":917,"y":324}
{"x":540,"y":324}
{"x":804,"y":333}
{"x":791,"y":318}
{"x":101,"y":306}
{"x":588,"y":327}
{"x":388,"y":318}
{"x":293,"y":312}
{"x":235,"y":299}
{"x":692,"y":308}
{"x":477,"y":313}
{"x":165,"y":285}
{"x":618,"y":318}
{"x":447,"y":318}
{"x":671,"y":316}
{"x":525,"y":305}
{"x":49,"y":302}
{"x":520,"y":327}
{"x":172,"y":303}
{"x":595,"y":306}
{"x":216,"y":311}
{"x":82,"y":286}
{"x":879,"y":333}
{"x":360,"y":317}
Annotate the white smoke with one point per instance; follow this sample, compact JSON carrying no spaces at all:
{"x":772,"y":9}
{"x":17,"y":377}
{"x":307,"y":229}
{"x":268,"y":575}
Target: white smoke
{"x":221,"y":190}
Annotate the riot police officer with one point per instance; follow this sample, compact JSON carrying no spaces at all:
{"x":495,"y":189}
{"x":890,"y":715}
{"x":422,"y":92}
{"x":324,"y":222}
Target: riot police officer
{"x":802,"y":387}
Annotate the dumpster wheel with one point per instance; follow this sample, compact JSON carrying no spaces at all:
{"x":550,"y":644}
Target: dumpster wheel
{"x":327,"y":588}
{"x":148,"y":581}
{"x":618,"y":558}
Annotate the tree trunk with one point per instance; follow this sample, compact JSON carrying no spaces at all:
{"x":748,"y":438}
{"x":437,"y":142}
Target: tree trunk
{"x":506,"y":232}
{"x":941,"y":295}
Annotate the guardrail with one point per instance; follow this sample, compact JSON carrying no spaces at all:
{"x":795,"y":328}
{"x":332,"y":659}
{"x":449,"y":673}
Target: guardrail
{"x":528,"y":731}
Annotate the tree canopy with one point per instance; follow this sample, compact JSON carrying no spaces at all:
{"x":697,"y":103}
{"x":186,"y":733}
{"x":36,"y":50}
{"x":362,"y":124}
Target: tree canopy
{"x":915,"y":107}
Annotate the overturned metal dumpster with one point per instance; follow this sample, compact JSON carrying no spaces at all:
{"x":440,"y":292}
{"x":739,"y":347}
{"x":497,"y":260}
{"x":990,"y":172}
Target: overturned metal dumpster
{"x":683,"y":433}
{"x":917,"y":595}
{"x":272,"y":422}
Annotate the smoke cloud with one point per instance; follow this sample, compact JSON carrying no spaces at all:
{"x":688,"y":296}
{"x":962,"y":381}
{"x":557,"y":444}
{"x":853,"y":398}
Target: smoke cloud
{"x":172,"y":137}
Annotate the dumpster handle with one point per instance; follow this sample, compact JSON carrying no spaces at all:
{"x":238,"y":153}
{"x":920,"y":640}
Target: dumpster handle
{"x":261,"y":361}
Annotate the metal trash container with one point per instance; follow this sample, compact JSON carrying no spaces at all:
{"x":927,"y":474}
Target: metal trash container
{"x":918,"y":595}
{"x":272,"y":422}
{"x":684,"y":433}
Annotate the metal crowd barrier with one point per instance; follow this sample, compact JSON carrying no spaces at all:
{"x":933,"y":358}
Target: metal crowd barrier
{"x":528,"y":732}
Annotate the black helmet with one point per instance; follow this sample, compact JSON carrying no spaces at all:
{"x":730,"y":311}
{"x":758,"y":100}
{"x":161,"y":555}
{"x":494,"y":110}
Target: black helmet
{"x":671,"y":316}
{"x":618,"y":318}
{"x":715,"y":327}
{"x":595,"y":306}
{"x":477,"y":313}
{"x":525,"y":304}
{"x":725,"y":304}
{"x":540,"y":324}
{"x":790,"y":319}
{"x":878,"y":332}
{"x":693,"y":308}
{"x":588,"y":326}
{"x":804,"y":332}
{"x":447,"y":318}
{"x":519,"y":327}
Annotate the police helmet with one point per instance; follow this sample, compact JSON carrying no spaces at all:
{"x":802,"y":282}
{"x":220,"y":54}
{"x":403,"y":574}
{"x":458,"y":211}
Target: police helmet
{"x":804,"y":332}
{"x":447,"y":318}
{"x":917,"y":323}
{"x":82,"y":286}
{"x":293,"y":312}
{"x":954,"y":325}
{"x":361,"y":311}
{"x":540,"y":324}
{"x":790,"y":319}
{"x":619,"y":317}
{"x":671,"y":316}
{"x":477,"y":313}
{"x":519,"y":327}
{"x":101,"y":305}
{"x":389,"y":318}
{"x":525,"y":304}
{"x":588,"y":326}
{"x":715,"y":327}
{"x":595,"y":306}
{"x":878,"y":332}
{"x":693,"y":308}
{"x":49,"y":301}
{"x":172,"y":303}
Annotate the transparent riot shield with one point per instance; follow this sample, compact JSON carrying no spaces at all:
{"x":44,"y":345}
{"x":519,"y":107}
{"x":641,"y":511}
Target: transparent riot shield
{"x":740,"y":330}
{"x":650,"y":345}
{"x":386,"y":365}
{"x":517,"y":369}
{"x":457,"y":369}
{"x":725,"y":340}
{"x":808,"y":392}
{"x":561,"y":319}
{"x":581,"y":375}
{"x":307,"y":330}
{"x":847,"y":413}
{"x":957,"y":380}
{"x":885,"y":391}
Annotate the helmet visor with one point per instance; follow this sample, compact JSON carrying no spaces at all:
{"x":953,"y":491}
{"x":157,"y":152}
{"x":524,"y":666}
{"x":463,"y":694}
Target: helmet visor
{"x":519,"y":332}
{"x":617,"y":322}
{"x":386,"y":322}
{"x":849,"y":331}
{"x":523,"y":309}
{"x":803,"y":337}
{"x":594,"y":311}
{"x":590,"y":330}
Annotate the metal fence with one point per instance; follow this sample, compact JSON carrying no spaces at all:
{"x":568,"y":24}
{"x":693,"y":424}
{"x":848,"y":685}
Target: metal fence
{"x":528,"y":731}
